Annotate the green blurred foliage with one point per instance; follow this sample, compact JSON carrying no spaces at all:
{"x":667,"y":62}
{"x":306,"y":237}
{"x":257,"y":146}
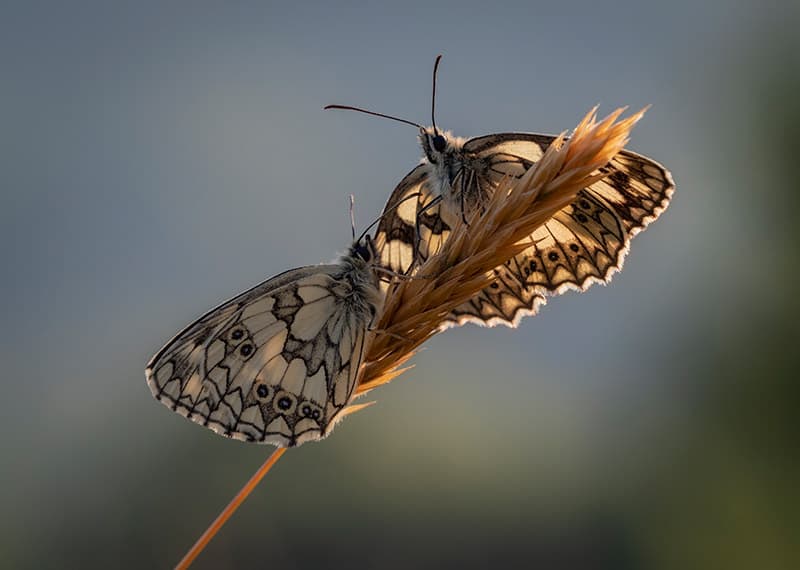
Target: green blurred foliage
{"x":727,"y":497}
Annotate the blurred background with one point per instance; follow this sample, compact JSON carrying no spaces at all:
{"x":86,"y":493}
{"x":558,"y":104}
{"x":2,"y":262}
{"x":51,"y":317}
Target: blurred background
{"x":158,"y":158}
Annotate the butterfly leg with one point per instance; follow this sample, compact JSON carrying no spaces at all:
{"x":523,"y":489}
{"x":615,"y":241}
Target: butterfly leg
{"x":391,"y":273}
{"x":387,"y":333}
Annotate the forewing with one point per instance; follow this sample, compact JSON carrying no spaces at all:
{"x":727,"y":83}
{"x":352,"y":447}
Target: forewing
{"x":514,"y":148}
{"x":637,"y":188}
{"x":276,"y":364}
{"x":409,"y":220}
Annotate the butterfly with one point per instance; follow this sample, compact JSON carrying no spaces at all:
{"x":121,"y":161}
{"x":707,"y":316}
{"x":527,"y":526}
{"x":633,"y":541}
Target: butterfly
{"x":582,"y":244}
{"x":278,"y":363}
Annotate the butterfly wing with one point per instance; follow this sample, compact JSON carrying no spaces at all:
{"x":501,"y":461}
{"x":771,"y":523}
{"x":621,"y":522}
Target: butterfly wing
{"x":410,"y":218}
{"x":584,"y":243}
{"x":505,"y":301}
{"x":637,"y":188}
{"x":276,"y":364}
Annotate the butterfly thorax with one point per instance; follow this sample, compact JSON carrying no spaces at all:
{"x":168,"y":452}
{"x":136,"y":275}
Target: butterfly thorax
{"x":453,"y":171}
{"x":357,"y":284}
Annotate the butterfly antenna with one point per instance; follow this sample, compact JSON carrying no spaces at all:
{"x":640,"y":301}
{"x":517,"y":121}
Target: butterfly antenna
{"x":349,"y":108}
{"x":393,"y":208}
{"x":353,"y":216}
{"x":433,"y":95}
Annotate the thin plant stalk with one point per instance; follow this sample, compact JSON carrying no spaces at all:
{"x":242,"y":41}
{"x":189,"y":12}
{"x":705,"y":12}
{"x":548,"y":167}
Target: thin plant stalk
{"x":226,"y":513}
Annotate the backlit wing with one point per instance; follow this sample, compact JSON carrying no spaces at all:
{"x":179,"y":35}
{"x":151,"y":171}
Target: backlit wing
{"x":582,"y":244}
{"x":276,"y":364}
{"x":410,"y":220}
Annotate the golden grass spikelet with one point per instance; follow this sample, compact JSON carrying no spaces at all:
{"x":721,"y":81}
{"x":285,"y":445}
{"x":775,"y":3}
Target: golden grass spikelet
{"x":416,"y":308}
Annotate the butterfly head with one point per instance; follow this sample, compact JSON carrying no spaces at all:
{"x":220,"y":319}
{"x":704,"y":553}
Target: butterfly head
{"x":434,"y":143}
{"x":364,"y":250}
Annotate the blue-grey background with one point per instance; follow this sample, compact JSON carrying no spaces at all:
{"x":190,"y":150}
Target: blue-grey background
{"x":159,"y":157}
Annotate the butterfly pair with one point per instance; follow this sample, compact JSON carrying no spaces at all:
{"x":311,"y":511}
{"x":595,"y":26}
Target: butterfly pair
{"x":279,"y":363}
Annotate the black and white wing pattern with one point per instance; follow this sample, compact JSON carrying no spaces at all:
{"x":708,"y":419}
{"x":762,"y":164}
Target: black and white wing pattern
{"x":584,"y":243}
{"x":411,"y":216}
{"x":278,"y":363}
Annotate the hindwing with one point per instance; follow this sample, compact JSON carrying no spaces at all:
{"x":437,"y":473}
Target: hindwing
{"x":276,"y":364}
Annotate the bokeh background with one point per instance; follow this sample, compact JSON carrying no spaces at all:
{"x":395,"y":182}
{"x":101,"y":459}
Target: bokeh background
{"x":159,"y":157}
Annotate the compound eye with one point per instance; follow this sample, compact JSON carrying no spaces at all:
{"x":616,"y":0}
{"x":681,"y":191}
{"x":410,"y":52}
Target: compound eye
{"x":439,"y":144}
